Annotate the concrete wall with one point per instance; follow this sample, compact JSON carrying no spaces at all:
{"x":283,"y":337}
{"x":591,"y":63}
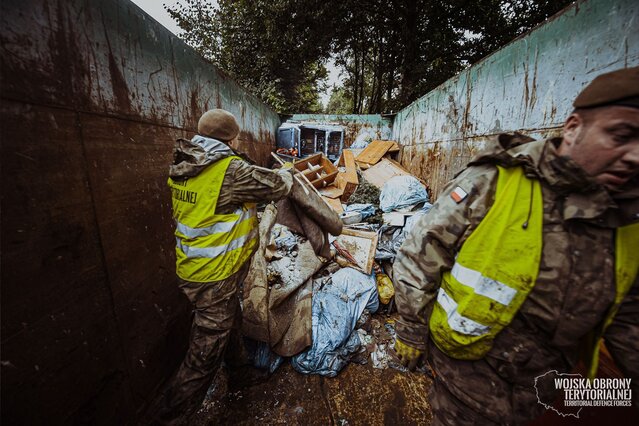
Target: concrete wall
{"x":93,"y":95}
{"x":374,"y":125}
{"x":527,"y":86}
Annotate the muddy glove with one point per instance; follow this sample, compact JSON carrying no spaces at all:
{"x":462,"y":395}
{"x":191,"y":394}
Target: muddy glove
{"x":408,"y":355}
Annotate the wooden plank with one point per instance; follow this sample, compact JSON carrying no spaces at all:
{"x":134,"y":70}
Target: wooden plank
{"x":363,"y":166}
{"x":335,"y":204}
{"x":361,"y":245}
{"x":331,"y":191}
{"x":302,"y":164}
{"x":324,"y":180}
{"x":348,"y":179}
{"x":374,"y":152}
{"x":299,"y":177}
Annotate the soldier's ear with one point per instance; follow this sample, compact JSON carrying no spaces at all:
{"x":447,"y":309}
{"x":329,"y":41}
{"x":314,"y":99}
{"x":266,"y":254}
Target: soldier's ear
{"x":572,"y":128}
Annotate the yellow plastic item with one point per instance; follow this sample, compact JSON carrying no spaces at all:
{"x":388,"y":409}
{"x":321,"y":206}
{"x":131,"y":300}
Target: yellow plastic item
{"x":385,"y":288}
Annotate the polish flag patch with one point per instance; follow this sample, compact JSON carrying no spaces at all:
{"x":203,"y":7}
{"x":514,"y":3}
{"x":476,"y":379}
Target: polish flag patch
{"x":458,"y":195}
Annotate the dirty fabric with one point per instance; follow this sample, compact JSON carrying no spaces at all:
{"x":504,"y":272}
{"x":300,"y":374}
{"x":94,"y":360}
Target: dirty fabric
{"x":261,"y":355}
{"x":574,"y":288}
{"x":313,"y":206}
{"x":338,"y":302}
{"x":292,"y":216}
{"x":277,"y":310}
{"x":290,"y":300}
{"x":255,"y":290}
{"x":216,"y":321}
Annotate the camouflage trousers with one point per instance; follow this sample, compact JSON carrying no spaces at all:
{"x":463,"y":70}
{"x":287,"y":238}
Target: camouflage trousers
{"x":466,"y":393}
{"x":216,"y":324}
{"x":448,"y":410}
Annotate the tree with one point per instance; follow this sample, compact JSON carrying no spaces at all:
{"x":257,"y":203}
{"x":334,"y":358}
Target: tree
{"x":392,"y":51}
{"x":339,"y":102}
{"x":274,"y":48}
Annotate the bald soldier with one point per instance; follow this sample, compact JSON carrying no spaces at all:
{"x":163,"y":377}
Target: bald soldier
{"x":214,"y":192}
{"x":529,"y":258}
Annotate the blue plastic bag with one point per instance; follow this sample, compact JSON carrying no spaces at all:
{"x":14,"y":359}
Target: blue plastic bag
{"x":337,"y":305}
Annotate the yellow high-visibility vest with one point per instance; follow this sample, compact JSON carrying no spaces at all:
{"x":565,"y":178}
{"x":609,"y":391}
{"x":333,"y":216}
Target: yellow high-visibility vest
{"x":210,"y":247}
{"x":497,"y":267}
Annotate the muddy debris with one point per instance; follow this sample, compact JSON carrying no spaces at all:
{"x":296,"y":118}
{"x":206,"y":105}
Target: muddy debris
{"x":367,"y":193}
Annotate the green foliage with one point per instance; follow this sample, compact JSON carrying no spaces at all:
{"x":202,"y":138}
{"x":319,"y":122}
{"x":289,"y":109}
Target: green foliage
{"x":340,"y":102}
{"x":392,"y":51}
{"x":274,"y":48}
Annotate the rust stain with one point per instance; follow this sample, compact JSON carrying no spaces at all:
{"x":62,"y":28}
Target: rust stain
{"x":259,"y":148}
{"x":466,"y":124}
{"x":195,"y":110}
{"x":118,"y":83}
{"x":533,"y":94}
{"x":526,"y":94}
{"x":553,"y":113}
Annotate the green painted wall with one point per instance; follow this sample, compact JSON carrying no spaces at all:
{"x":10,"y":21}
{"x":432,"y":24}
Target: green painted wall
{"x":527,"y":86}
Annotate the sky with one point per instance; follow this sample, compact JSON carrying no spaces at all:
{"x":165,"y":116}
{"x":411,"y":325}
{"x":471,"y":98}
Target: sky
{"x":155,"y":8}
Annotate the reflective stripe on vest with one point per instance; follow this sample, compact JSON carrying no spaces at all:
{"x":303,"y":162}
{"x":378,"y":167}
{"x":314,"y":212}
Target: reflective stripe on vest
{"x":456,"y":321}
{"x":210,"y":247}
{"x":497,"y":267}
{"x":222,"y":228}
{"x":204,"y":231}
{"x":495,"y":290}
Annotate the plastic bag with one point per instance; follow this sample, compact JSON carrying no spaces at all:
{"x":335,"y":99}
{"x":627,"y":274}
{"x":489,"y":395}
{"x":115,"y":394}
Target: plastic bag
{"x":361,"y":141}
{"x":367,"y":210}
{"x":261,"y":355}
{"x":390,"y":238}
{"x":384,"y":288}
{"x":402,"y":191}
{"x":337,"y":305}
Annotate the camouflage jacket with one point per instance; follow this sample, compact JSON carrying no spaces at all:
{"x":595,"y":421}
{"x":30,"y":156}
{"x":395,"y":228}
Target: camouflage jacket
{"x":243,"y":182}
{"x":575,"y":285}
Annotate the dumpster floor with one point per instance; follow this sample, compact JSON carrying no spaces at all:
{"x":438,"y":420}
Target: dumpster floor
{"x":359,"y":394}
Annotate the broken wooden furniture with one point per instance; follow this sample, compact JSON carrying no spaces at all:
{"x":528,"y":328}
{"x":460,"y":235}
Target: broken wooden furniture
{"x":317,"y":169}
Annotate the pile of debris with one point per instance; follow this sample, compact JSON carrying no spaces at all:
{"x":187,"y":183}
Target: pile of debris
{"x":320,"y":292}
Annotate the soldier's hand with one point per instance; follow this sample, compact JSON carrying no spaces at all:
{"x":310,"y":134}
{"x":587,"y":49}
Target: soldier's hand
{"x":408,"y":355}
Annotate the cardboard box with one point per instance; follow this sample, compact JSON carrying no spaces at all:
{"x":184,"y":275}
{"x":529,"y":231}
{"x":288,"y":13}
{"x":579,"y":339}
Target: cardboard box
{"x":381,"y":172}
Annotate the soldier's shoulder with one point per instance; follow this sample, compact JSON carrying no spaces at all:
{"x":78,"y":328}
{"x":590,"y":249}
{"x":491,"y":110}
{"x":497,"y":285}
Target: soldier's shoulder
{"x":474,"y":180}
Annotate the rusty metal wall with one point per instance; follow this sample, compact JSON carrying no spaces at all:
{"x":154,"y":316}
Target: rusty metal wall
{"x":92,"y":96}
{"x":373,"y":125}
{"x":527,"y":86}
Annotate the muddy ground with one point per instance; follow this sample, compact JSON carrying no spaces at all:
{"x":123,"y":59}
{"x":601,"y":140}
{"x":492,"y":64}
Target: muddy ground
{"x":359,"y":395}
